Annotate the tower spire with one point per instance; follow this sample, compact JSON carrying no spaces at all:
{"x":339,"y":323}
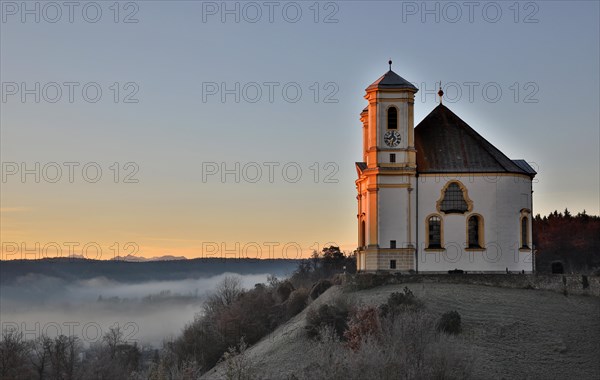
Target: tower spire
{"x":440,"y":92}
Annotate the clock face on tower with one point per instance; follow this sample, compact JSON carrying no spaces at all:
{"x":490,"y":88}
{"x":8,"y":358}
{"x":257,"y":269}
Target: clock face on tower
{"x":391,"y":138}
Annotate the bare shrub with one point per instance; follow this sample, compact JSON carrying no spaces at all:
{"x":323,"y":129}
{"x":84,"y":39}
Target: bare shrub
{"x":363,"y":322}
{"x":399,"y":302}
{"x":167,"y":366}
{"x":296,"y":302}
{"x":408,"y":347}
{"x":319,"y":288}
{"x":284,"y":290}
{"x":237,"y":365}
{"x":449,"y":323}
{"x":187,"y":370}
{"x":273,"y":281}
{"x":334,"y":316}
{"x":364,"y":281}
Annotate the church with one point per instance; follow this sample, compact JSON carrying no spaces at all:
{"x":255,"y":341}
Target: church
{"x":437,"y":197}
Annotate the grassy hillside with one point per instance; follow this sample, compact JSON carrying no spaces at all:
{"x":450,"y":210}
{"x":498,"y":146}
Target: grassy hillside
{"x":507,"y":333}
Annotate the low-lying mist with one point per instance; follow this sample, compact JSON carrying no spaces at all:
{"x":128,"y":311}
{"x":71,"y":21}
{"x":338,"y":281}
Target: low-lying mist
{"x":147,"y":312}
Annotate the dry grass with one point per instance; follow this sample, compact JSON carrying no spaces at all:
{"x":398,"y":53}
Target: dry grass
{"x":407,"y":348}
{"x":510,"y":333}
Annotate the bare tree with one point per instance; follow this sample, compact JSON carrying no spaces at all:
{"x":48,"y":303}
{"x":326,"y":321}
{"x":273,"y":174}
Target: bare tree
{"x":225,"y":294}
{"x":40,"y":355}
{"x":14,"y":352}
{"x":229,"y":289}
{"x":112,"y":358}
{"x":63,"y":357}
{"x":113,"y":338}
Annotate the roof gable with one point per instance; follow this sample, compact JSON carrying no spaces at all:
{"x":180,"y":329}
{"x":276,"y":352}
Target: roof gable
{"x":446,"y":144}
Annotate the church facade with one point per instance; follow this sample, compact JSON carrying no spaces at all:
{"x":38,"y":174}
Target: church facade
{"x":438,"y":196}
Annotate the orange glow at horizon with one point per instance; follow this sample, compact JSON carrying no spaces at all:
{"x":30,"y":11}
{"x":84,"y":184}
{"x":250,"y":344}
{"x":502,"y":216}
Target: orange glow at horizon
{"x":18,"y":250}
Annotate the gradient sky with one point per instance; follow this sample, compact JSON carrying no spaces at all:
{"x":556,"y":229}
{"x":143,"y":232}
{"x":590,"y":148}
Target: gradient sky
{"x":178,"y":130}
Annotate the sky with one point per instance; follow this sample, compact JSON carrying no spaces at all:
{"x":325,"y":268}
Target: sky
{"x":204,"y":129}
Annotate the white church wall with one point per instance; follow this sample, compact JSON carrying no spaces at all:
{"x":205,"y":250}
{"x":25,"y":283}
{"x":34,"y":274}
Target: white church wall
{"x":393,"y":221}
{"x":384,"y":156}
{"x":499,"y":200}
{"x":394,"y":179}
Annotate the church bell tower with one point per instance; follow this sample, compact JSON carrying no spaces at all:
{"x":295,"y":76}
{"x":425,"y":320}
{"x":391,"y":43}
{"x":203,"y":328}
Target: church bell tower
{"x":387,"y":177}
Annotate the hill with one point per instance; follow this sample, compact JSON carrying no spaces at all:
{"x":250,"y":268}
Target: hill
{"x":143,"y":259}
{"x":73,"y":269}
{"x":508,"y":333}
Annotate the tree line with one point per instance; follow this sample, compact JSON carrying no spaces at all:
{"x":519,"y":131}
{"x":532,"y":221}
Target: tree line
{"x":571,"y":240}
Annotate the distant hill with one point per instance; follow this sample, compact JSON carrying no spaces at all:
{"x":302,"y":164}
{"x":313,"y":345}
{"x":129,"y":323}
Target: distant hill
{"x":138,"y":259}
{"x":159,"y":269}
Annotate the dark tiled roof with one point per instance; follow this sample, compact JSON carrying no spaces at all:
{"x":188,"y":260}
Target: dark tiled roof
{"x":391,"y":80}
{"x":525,"y":166}
{"x":446,"y":144}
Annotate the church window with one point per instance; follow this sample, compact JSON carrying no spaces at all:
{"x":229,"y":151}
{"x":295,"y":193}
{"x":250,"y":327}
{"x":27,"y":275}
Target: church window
{"x":392,"y":157}
{"x":434,"y":232}
{"x":392,"y":243}
{"x":363,"y":234}
{"x":524,"y":233}
{"x":475,"y":232}
{"x":454,"y":200}
{"x":392,"y":118}
{"x":392,"y":264}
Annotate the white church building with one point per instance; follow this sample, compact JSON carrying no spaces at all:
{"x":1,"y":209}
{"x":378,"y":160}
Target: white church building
{"x":438,"y":196}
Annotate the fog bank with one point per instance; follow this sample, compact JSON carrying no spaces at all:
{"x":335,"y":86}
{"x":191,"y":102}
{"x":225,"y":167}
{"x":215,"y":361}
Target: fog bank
{"x":148,"y":312}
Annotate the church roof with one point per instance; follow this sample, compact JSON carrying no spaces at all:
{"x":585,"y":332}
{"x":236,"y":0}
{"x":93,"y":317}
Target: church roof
{"x":525,"y":166}
{"x":446,"y":144}
{"x":391,"y":80}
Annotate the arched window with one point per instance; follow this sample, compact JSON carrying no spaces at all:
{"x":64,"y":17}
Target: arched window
{"x":392,"y":118}
{"x":453,"y":200}
{"x":475,"y":232}
{"x":434,"y":232}
{"x":524,"y":233}
{"x":363,"y":232}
